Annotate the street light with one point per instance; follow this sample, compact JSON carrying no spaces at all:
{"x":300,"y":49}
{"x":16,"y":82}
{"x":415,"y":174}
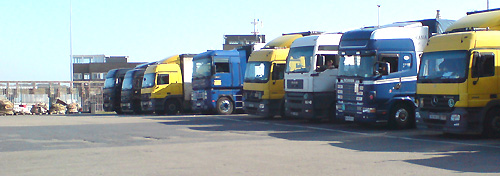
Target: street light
{"x":378,"y":15}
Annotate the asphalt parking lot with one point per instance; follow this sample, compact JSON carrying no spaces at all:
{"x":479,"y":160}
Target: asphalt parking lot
{"x":231,"y":145}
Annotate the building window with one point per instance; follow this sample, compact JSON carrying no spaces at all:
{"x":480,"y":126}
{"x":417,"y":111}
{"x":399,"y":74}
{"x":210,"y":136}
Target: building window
{"x":96,"y":76}
{"x":77,"y":76}
{"x":86,"y":76}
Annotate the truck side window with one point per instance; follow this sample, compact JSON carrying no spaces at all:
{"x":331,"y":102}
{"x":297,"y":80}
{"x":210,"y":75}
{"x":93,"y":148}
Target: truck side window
{"x":330,"y":62}
{"x":221,"y":67}
{"x":486,"y":66}
{"x":279,"y":72}
{"x":137,"y":82}
{"x":393,"y":62}
{"x":162,"y":79}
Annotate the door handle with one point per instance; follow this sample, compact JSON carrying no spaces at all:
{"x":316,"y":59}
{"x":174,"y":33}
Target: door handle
{"x":397,"y":86}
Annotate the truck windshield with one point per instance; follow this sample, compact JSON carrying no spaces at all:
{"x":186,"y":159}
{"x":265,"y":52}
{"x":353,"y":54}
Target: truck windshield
{"x":148,"y":80}
{"x":127,"y":83}
{"x":299,"y":59}
{"x":443,"y":67}
{"x":202,"y":68}
{"x":109,"y":83}
{"x":257,"y":72}
{"x":355,"y":65}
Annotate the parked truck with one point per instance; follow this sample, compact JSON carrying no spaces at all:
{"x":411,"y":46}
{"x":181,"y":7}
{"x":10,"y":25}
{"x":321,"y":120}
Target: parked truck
{"x":131,"y":89}
{"x":263,"y":87}
{"x":378,"y":72}
{"x":112,"y":90}
{"x":218,"y":80}
{"x":458,"y":82}
{"x":310,"y":76}
{"x":166,"y":86}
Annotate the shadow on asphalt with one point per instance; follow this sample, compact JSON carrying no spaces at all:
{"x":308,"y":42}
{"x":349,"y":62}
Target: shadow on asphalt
{"x":450,"y":152}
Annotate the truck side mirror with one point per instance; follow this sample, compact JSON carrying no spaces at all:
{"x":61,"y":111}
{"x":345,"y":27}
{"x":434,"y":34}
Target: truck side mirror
{"x":477,"y":64}
{"x":320,"y":62}
{"x":382,"y":68}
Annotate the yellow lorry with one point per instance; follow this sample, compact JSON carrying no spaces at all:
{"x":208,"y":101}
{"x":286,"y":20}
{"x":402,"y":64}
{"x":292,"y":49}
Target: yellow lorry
{"x":458,"y":81}
{"x":166,"y":86}
{"x":263,"y":87}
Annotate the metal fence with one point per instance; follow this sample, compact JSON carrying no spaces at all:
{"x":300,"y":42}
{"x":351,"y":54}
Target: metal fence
{"x":88,"y":94}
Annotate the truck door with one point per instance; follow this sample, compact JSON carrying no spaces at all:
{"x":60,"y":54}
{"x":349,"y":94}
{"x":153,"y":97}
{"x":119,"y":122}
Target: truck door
{"x":408,"y":74}
{"x":483,"y":84}
{"x":277,"y":86}
{"x":390,"y":82}
{"x":222,"y":76}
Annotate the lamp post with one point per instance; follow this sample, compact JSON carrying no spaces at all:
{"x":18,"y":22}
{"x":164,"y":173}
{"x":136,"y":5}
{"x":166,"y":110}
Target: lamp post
{"x":378,"y":15}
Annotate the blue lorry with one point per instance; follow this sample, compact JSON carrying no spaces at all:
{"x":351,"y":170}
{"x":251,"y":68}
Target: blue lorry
{"x":378,"y":72}
{"x":218,"y":80}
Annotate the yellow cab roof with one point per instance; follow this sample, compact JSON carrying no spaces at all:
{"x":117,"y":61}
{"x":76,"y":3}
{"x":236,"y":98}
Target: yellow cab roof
{"x":488,"y":19}
{"x":170,"y":60}
{"x":284,"y":41}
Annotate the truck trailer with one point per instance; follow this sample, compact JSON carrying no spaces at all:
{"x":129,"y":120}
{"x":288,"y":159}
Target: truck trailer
{"x":166,"y":86}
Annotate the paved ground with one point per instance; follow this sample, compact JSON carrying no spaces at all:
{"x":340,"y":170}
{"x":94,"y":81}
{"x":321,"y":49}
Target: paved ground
{"x":231,"y":145}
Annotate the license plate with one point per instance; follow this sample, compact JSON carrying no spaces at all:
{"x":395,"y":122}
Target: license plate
{"x":198,"y":104}
{"x":437,"y":117}
{"x":250,"y":105}
{"x":295,"y":113}
{"x":349,"y":118}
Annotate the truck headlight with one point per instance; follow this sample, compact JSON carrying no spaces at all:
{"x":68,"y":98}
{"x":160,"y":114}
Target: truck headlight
{"x":261,"y":106}
{"x":369,"y":110}
{"x":451,"y":103}
{"x":308,"y":102}
{"x":455,"y":117}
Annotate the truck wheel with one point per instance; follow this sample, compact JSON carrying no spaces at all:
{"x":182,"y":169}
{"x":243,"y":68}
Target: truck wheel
{"x":401,"y":117}
{"x":224,"y":106}
{"x":492,"y":123}
{"x":172,"y":107}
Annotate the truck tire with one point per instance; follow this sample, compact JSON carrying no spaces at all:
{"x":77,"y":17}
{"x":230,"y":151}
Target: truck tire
{"x":224,"y":106}
{"x":401,"y":117}
{"x":492,"y":123}
{"x":172,"y":107}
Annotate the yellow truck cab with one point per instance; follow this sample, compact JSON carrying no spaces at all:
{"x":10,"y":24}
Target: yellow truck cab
{"x":166,"y":87}
{"x":458,"y":81}
{"x":263,"y":87}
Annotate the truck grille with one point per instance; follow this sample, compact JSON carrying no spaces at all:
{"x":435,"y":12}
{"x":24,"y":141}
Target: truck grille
{"x":252,"y":95}
{"x":295,"y":84}
{"x":439,"y":103}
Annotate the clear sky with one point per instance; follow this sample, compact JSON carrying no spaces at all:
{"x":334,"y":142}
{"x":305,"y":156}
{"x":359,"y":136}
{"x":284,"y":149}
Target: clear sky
{"x":35,"y":37}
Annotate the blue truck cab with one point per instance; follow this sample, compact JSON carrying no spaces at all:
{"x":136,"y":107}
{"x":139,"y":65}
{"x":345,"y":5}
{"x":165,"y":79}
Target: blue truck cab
{"x":218,"y":80}
{"x":377,"y":73}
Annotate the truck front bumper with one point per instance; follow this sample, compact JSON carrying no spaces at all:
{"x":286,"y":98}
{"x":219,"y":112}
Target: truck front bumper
{"x":459,"y":121}
{"x":265,"y":108}
{"x":356,"y":113}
